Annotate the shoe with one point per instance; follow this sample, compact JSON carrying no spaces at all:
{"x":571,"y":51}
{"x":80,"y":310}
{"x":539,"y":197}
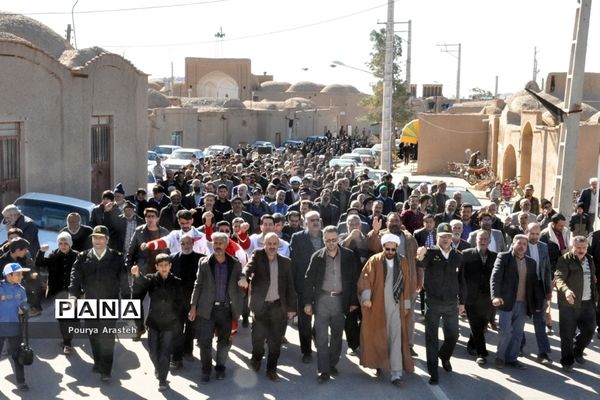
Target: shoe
{"x":567,"y":368}
{"x":23,"y":387}
{"x":272,"y":375}
{"x":34,"y":312}
{"x":549,"y":330}
{"x":521,"y":354}
{"x":481,"y":360}
{"x":188,"y":357}
{"x":323,"y":378}
{"x":397,"y":382}
{"x":245,"y":323}
{"x":176,"y":365}
{"x":378,"y":373}
{"x":67,"y":350}
{"x":307,"y":358}
{"x":492,"y":325}
{"x":518,"y":365}
{"x":205,"y":378}
{"x":220,"y":375}
{"x":433,"y":380}
{"x":138,"y":335}
{"x":353,"y":352}
{"x":413,"y":353}
{"x":162,"y":386}
{"x":580,"y":360}
{"x":446,"y":365}
{"x":499,"y":363}
{"x":284,"y":340}
{"x":255,"y":365}
{"x":105,"y":378}
{"x":334,"y":371}
{"x":543,"y":358}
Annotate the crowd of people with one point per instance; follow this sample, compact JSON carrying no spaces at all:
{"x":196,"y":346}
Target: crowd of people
{"x":264,"y":239}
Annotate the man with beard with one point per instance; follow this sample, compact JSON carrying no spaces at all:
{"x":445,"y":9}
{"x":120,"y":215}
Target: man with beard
{"x":208,"y":205}
{"x":448,"y":214}
{"x":79,"y":233}
{"x":386,"y":290}
{"x":477,"y":268}
{"x":497,"y":243}
{"x":194,"y":198}
{"x":412,"y":219}
{"x":458,"y":244}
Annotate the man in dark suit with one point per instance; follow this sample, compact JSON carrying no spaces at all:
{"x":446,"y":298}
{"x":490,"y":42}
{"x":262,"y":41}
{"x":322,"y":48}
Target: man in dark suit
{"x":216,"y":301}
{"x":448,"y":214}
{"x":272,"y":295}
{"x":302,"y":247}
{"x":517,"y":293}
{"x":402,"y":192}
{"x":159,"y":199}
{"x":594,"y":251}
{"x":426,"y":236}
{"x":330,"y":290}
{"x":237,"y":210}
{"x":330,"y":213}
{"x":477,"y":269}
{"x":139,"y":200}
{"x":586,"y":197}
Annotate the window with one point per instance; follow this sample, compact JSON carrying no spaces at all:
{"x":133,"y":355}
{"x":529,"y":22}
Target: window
{"x":177,"y":138}
{"x":9,"y":151}
{"x":101,"y":128}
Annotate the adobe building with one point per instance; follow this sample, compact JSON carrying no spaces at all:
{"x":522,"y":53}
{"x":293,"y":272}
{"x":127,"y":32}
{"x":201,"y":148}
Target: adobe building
{"x":518,"y":136}
{"x":222,"y":102}
{"x":72,"y":122}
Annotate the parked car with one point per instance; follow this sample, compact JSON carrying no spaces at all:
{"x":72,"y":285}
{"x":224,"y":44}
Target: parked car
{"x":263,"y":143}
{"x":352,"y":156}
{"x":150,"y":183}
{"x":290,"y":144}
{"x":376,"y":174}
{"x":342,"y":162}
{"x":217,"y":149}
{"x":49,"y":213}
{"x":152,"y":157}
{"x":365,"y":155}
{"x":182,"y":157}
{"x":164,"y":150}
{"x":312,"y":139}
{"x":466,"y":194}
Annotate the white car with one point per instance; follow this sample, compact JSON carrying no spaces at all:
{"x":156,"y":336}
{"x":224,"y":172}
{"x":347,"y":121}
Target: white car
{"x":181,"y":157}
{"x":217,"y":149}
{"x":365,"y":155}
{"x":342,"y":162}
{"x":49,"y":213}
{"x":164,"y":150}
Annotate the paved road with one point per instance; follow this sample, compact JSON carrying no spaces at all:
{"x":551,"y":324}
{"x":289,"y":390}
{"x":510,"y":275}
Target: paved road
{"x":54,"y":375}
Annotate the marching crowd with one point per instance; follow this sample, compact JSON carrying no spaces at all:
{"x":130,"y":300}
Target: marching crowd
{"x":261,"y":240}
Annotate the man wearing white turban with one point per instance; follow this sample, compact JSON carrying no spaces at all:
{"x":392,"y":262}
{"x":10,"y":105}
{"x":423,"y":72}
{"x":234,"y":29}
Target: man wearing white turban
{"x":385,"y":288}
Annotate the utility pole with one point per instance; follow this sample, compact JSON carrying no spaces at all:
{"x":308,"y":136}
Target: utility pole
{"x":386,"y":123}
{"x":569,"y":129}
{"x":68,"y":32}
{"x":408,"y":52}
{"x":535,"y":64}
{"x":73,"y":22}
{"x":454,"y":50}
{"x":496,"y":88}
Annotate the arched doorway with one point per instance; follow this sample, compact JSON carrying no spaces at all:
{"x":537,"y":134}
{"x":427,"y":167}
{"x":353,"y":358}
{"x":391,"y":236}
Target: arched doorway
{"x":217,"y":84}
{"x":509,"y":163}
{"x":526,"y":150}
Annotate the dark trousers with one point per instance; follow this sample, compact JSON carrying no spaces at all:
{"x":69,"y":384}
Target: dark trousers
{"x":448,"y":312}
{"x":352,"y":329}
{"x":245,"y":308}
{"x":305,"y":331}
{"x":422,"y":301}
{"x":183,"y":337}
{"x":598,"y":311}
{"x":65,"y":324}
{"x":140,"y":323}
{"x":103,"y":344}
{"x":14,"y":342}
{"x":478,"y":313}
{"x":219,"y":323}
{"x":33,"y":287}
{"x":328,"y":316}
{"x":569,"y":320}
{"x":159,"y":347}
{"x":268,"y":325}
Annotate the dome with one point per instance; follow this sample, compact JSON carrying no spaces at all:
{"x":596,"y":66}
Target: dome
{"x":594,"y":119}
{"x":587,"y":114}
{"x":298,"y":102}
{"x":37,"y":34}
{"x":157,"y":100}
{"x":273,"y":86}
{"x":78,"y":58}
{"x":156,"y":85}
{"x":521,"y":101}
{"x":340,"y":89}
{"x":305,"y":86}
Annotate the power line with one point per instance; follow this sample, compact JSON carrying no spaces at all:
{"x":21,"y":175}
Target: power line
{"x":128,"y":9}
{"x":257,"y":34}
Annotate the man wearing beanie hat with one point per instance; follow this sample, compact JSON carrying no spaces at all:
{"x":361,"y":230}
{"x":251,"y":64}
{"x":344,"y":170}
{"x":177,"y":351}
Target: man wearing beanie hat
{"x":59,"y":264}
{"x":386,"y":288}
{"x":440,"y":274}
{"x":119,"y":196}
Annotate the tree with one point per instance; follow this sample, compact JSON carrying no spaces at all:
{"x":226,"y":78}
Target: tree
{"x":401,"y":112}
{"x":481,"y":94}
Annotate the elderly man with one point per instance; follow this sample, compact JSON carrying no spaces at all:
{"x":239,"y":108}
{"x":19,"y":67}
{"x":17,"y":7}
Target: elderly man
{"x":216,"y":301}
{"x":79,"y":233}
{"x":448,"y":213}
{"x":497,"y":243}
{"x":330,"y":293}
{"x":386,"y":290}
{"x":272,"y":298}
{"x":14,"y":219}
{"x":458,"y":244}
{"x":534,"y":202}
{"x":516,"y":292}
{"x":440,"y":274}
{"x":524,"y":207}
{"x":477,"y":268}
{"x":587,"y":197}
{"x":575,"y":282}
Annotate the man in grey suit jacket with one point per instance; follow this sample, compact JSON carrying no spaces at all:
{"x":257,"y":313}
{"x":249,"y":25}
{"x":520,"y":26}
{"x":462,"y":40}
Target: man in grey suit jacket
{"x":216,"y":301}
{"x":539,"y":252}
{"x":497,"y":242}
{"x":272,"y":299}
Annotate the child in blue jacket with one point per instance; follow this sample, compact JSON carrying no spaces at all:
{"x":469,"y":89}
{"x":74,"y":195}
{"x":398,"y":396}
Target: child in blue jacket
{"x":13,"y":302}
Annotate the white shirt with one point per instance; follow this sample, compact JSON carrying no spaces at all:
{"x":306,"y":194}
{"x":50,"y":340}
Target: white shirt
{"x":446,"y":254}
{"x":173,"y":240}
{"x":587,"y":280}
{"x":99,"y":256}
{"x":257,"y":243}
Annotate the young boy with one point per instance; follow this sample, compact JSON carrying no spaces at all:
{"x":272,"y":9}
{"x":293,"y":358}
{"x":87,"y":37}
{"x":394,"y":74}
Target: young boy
{"x":166,"y":305}
{"x":13,"y":302}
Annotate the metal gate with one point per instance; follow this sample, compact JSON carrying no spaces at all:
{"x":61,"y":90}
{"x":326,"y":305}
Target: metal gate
{"x":101,"y":156}
{"x":10,"y":162}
